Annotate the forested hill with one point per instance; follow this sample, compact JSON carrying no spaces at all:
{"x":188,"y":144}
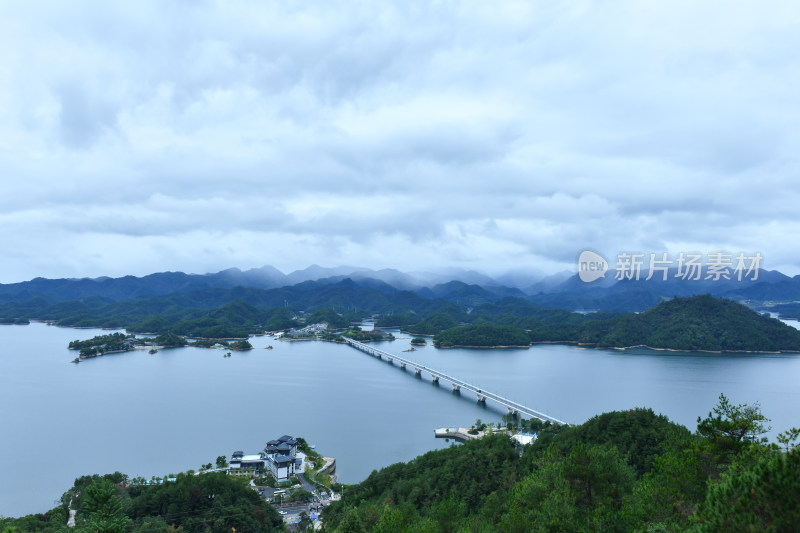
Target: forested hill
{"x":189,"y":503}
{"x":622,"y":471}
{"x":702,"y":323}
{"x":687,"y":324}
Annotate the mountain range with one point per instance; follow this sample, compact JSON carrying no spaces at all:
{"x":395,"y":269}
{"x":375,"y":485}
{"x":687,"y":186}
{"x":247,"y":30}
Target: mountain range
{"x":464,"y":288}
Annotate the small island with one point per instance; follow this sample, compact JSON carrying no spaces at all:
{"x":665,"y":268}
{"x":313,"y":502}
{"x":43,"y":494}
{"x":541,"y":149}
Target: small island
{"x":120,"y":342}
{"x":418,"y":341}
{"x":483,"y":336}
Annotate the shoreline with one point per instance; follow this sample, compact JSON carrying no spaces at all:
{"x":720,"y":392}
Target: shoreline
{"x":499,"y":347}
{"x":677,"y":350}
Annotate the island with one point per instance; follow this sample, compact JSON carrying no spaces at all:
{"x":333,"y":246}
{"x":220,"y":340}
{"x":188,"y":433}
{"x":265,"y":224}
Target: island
{"x":121,"y":342}
{"x":483,"y":336}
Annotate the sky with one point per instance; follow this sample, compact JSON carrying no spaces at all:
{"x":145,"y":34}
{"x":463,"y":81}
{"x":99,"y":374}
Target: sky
{"x":149,"y":136}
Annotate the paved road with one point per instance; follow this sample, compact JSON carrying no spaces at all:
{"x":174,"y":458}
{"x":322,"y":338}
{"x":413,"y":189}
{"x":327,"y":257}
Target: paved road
{"x":307,"y":485}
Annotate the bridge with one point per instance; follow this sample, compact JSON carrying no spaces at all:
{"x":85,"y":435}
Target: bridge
{"x":513,"y":407}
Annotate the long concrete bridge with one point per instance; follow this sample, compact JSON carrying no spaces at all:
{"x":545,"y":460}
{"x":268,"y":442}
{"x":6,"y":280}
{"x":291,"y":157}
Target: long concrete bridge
{"x":512,"y":406}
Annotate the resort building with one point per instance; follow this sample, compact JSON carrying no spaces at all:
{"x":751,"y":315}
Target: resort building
{"x":280,"y":458}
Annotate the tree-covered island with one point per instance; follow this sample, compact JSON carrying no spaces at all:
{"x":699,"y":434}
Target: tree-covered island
{"x":483,"y":336}
{"x":120,"y":342}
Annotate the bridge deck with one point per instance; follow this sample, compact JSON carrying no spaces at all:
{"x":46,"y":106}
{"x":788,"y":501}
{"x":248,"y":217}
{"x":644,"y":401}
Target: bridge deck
{"x":482,"y":394}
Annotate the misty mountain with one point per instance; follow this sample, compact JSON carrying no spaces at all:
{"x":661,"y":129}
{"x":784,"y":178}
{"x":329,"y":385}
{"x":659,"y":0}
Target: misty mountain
{"x":315,"y":285}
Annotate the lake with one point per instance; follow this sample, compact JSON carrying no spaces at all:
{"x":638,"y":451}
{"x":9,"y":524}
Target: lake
{"x":147,"y":415}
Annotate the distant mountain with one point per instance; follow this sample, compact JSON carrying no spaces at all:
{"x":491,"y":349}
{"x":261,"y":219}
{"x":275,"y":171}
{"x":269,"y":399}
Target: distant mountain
{"x":266,"y":277}
{"x":468,"y":295}
{"x":609,"y":294}
{"x":465,"y":288}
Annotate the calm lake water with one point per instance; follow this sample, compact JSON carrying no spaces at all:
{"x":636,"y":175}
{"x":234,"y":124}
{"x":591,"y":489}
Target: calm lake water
{"x":172,"y":411}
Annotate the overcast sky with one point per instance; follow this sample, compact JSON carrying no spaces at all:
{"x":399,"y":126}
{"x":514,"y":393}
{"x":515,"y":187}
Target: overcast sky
{"x":138,"y":137}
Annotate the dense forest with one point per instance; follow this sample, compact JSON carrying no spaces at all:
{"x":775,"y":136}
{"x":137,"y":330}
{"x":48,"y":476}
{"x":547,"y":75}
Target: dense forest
{"x":621,"y":471}
{"x":212,"y":502}
{"x":692,"y":323}
{"x":702,"y":323}
{"x":482,"y":336}
{"x":687,"y":323}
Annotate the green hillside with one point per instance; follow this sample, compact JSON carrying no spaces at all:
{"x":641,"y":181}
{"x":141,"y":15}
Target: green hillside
{"x":187,"y":503}
{"x":622,"y":471}
{"x":702,"y":323}
{"x":483,"y":336}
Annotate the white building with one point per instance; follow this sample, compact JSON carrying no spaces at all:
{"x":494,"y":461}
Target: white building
{"x":282,"y":459}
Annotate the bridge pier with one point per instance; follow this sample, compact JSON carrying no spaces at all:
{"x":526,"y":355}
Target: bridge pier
{"x":512,"y":412}
{"x":436,"y":380}
{"x":481,"y":399}
{"x":417,"y":372}
{"x":402,"y":366}
{"x":456,"y":388}
{"x":389,"y":360}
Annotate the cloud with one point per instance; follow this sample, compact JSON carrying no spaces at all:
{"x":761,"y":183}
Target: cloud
{"x":492,"y":136}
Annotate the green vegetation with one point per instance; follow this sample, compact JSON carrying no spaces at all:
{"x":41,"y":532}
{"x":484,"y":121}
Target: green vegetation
{"x":692,"y":323}
{"x":102,"y":344}
{"x":358,"y":334}
{"x":482,"y":335}
{"x":241,"y":345}
{"x":333,"y":320}
{"x":621,"y":471}
{"x":397,"y":320}
{"x":279,"y":319}
{"x":14,"y":321}
{"x":212,"y":502}
{"x":702,"y":323}
{"x":436,"y":323}
{"x":169,"y":340}
{"x":419,"y":341}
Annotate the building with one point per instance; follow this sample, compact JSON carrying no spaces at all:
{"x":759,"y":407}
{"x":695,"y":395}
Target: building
{"x":245,"y":463}
{"x":280,"y":458}
{"x":235,"y":464}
